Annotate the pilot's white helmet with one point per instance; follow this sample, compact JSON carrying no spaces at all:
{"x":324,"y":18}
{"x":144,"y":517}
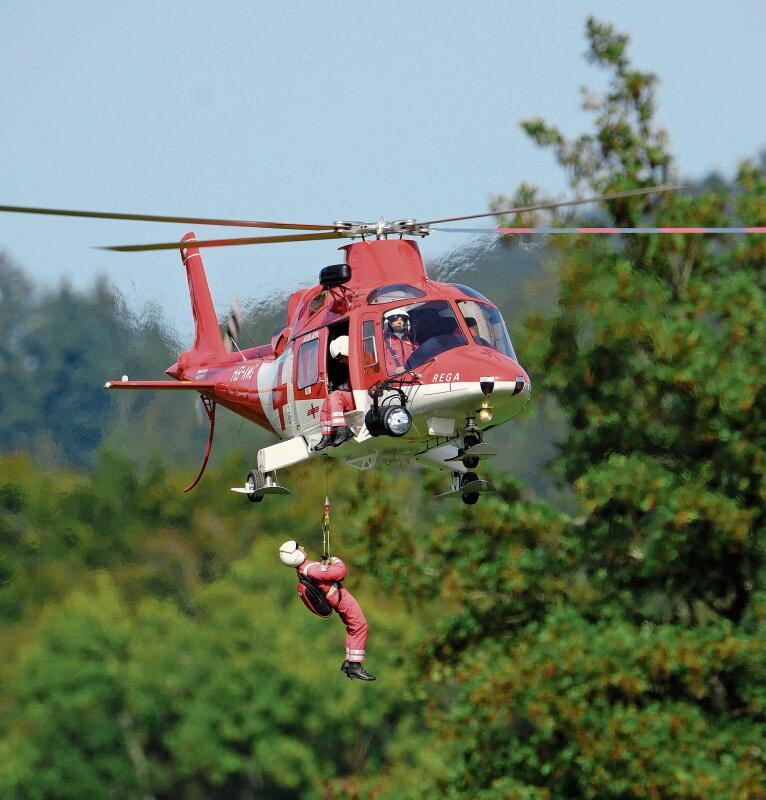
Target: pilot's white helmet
{"x":397,"y":312}
{"x":290,"y":555}
{"x":339,"y":347}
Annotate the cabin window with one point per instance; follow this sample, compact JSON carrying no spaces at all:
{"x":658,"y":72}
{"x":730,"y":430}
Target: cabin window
{"x":308,"y":364}
{"x":393,"y":293}
{"x":369,"y":352}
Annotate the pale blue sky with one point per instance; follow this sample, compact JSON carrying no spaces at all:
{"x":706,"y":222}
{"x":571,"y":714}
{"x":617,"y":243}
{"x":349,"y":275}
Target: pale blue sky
{"x":314,"y":111}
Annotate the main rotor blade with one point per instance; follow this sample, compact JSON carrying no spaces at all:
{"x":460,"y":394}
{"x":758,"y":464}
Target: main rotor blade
{"x":543,"y":206}
{"x":300,"y":237}
{"x":547,"y":231}
{"x":233,"y":223}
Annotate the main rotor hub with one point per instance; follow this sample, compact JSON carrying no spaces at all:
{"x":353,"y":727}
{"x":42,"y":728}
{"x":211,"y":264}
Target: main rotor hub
{"x":381,"y":228}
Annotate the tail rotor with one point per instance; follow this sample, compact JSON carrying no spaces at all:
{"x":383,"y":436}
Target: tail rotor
{"x":233,"y":326}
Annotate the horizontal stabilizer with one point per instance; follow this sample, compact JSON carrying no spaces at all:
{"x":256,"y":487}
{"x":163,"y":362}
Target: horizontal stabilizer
{"x":198,"y":386}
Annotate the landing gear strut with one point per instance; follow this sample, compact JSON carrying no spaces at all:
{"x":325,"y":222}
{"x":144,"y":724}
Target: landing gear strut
{"x":469,"y":498}
{"x":471,"y":438}
{"x":254,"y":483}
{"x":470,"y":462}
{"x":468,"y":486}
{"x":258,"y":484}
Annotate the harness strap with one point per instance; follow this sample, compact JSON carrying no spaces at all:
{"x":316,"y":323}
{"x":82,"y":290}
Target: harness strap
{"x":387,"y":340}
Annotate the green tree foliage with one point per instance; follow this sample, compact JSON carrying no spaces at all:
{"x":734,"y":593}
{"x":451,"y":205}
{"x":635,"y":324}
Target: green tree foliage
{"x":58,"y":348}
{"x":614,"y":653}
{"x":655,"y":358}
{"x":163,"y":651}
{"x":154,"y":647}
{"x":243,"y":698}
{"x":18,"y":421}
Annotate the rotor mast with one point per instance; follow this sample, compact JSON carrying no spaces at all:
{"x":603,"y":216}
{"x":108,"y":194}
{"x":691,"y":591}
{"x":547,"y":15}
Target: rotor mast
{"x":381,"y":229}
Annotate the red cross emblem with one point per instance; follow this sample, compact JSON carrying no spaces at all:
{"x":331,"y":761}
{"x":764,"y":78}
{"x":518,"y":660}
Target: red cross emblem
{"x":312,"y":412}
{"x":279,"y":396}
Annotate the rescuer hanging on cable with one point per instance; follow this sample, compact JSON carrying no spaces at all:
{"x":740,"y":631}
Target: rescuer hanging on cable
{"x":320,"y":588}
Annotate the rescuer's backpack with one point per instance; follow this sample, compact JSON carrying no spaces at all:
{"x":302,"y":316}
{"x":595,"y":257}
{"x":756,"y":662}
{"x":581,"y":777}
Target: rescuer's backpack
{"x":313,"y":597}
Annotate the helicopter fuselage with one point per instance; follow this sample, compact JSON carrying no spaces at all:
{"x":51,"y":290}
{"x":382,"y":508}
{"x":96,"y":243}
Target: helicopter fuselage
{"x":282,"y":386}
{"x":460,"y":371}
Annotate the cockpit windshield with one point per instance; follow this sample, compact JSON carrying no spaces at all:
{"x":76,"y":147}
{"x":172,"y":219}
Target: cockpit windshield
{"x":486,"y":326}
{"x":418,"y":332}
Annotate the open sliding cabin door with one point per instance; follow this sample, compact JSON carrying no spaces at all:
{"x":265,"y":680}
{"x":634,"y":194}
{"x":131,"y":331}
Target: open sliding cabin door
{"x":309,"y":384}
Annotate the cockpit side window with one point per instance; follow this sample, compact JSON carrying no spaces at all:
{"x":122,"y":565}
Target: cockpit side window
{"x":369,"y":351}
{"x":486,"y":325}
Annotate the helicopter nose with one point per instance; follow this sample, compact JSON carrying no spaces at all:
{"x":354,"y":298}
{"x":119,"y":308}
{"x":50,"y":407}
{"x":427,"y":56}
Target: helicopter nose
{"x":521,"y":381}
{"x":514,"y":382}
{"x":508,"y":375}
{"x":487,"y":383}
{"x":509,"y":380}
{"x":519,"y":384}
{"x":505,"y":391}
{"x":490,"y":371}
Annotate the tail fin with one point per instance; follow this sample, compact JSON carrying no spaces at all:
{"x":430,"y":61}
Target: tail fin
{"x":208,"y":344}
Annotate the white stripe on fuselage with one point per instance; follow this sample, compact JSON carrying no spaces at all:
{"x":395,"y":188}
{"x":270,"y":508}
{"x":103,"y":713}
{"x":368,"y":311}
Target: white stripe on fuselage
{"x":439,"y":399}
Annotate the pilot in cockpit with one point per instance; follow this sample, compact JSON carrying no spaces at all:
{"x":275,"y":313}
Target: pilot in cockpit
{"x":398,"y":344}
{"x":473,"y":327}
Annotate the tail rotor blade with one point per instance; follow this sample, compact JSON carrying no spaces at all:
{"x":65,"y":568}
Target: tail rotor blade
{"x":233,"y":325}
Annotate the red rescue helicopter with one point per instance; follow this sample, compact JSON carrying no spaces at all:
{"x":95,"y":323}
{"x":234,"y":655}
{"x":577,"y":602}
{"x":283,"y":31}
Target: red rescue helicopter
{"x":430,"y":366}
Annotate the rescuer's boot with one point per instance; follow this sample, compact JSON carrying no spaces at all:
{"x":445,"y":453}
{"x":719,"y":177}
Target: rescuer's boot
{"x":341,"y":435}
{"x":356,"y":670}
{"x":344,"y":667}
{"x":325,"y":441}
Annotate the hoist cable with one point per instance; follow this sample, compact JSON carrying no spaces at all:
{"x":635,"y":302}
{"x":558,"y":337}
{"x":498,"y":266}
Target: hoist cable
{"x":326,"y":530}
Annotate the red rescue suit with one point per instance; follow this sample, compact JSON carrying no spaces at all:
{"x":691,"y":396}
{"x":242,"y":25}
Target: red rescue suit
{"x":397,"y":350}
{"x":333,"y":407}
{"x":325,"y":576}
